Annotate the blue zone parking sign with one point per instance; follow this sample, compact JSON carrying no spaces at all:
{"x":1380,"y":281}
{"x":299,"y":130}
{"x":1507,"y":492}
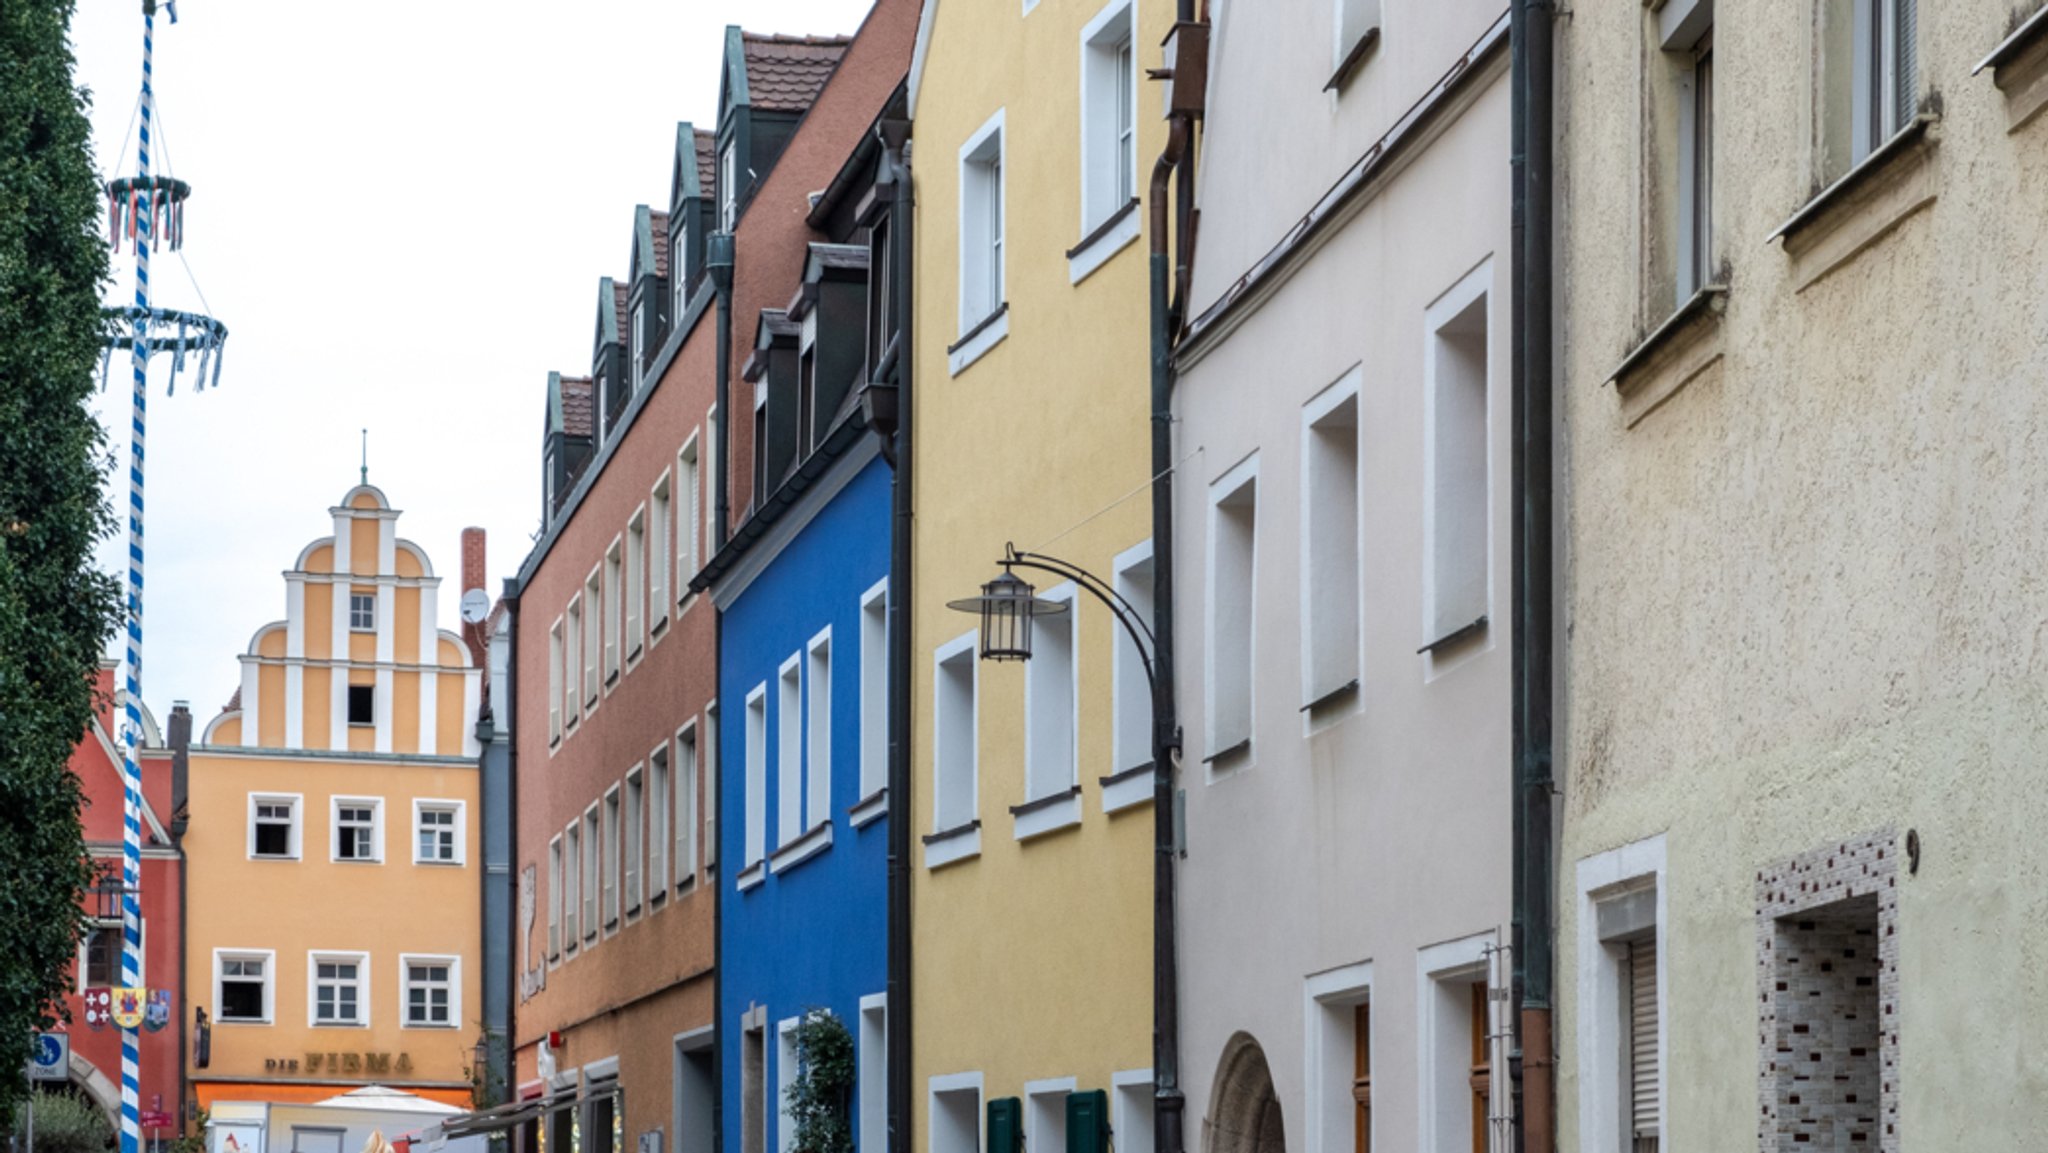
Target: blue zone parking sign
{"x":52,"y":1058}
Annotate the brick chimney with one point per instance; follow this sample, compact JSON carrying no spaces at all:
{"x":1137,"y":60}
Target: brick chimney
{"x":473,"y":568}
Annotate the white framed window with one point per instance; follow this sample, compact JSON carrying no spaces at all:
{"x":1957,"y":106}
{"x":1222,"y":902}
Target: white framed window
{"x":636,"y":568}
{"x":954,"y":1113}
{"x":593,"y":877}
{"x":578,"y":673}
{"x":243,"y":986}
{"x":660,"y":826}
{"x":981,"y":224}
{"x":757,"y":775}
{"x":438,"y":835}
{"x":1332,"y":561}
{"x":1045,"y":1109}
{"x":1131,"y":1108}
{"x":635,"y":837}
{"x":1130,"y":691}
{"x":337,"y":988}
{"x":689,"y":514}
{"x":728,"y":187}
{"x":1457,"y":1043}
{"x":274,"y":826}
{"x":614,"y":567}
{"x":432,"y":988}
{"x":818,"y":731}
{"x":555,"y":881}
{"x":594,"y":615}
{"x":1457,"y":518}
{"x":678,"y":268}
{"x":362,"y":704}
{"x":1052,"y":700}
{"x":686,"y":804}
{"x":555,"y":682}
{"x":874,"y":689}
{"x":1684,"y":36}
{"x":1109,"y":92}
{"x":1357,"y":26}
{"x":786,"y":1062}
{"x":789,"y":767}
{"x":612,"y":847}
{"x":871,"y":1073}
{"x":754,"y":1083}
{"x":633,"y":344}
{"x":1870,"y":69}
{"x":362,"y":612}
{"x":1620,"y":1020}
{"x":1336,"y":1008}
{"x":572,"y":886}
{"x":358,"y":824}
{"x":1233,"y":591}
{"x":710,"y":779}
{"x":659,"y":522}
{"x":955,"y":753}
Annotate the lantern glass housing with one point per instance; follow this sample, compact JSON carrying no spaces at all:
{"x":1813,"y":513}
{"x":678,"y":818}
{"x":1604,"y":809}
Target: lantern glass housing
{"x":1006,"y":606}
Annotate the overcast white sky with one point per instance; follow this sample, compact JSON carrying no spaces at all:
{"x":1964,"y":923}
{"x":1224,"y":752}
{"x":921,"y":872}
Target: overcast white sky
{"x":400,"y":210}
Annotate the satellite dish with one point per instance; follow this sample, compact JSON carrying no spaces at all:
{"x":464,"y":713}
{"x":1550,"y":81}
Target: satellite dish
{"x":476,"y":605}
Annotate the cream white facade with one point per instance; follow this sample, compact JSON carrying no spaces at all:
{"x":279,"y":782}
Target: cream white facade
{"x":1804,"y":540}
{"x":1342,"y":567}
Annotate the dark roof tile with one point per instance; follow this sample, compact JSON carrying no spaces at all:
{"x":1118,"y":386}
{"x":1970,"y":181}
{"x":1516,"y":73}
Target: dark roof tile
{"x":660,"y":224}
{"x":707,"y":162}
{"x":785,"y":73}
{"x":579,"y":407}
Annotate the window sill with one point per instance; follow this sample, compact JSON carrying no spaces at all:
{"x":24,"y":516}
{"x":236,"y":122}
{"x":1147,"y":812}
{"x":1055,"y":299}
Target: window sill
{"x":1352,"y":59}
{"x":426,"y":1026}
{"x":752,"y":877}
{"x":1871,"y":200}
{"x":976,"y":341}
{"x":802,"y":849}
{"x":2020,"y":69}
{"x":1110,"y":237}
{"x":1127,"y":789}
{"x":243,"y":1021}
{"x":339,"y":1024}
{"x":355,"y":860}
{"x":870,"y":809}
{"x":949,"y":845}
{"x":1229,"y":754}
{"x":1452,"y":639}
{"x":1678,"y":352}
{"x":655,"y":630}
{"x":272,"y":857}
{"x":1048,"y":814}
{"x":438,"y":864}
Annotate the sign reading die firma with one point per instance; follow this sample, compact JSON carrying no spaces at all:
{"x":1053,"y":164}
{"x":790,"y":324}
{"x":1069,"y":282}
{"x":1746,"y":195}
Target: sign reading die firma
{"x":346,"y":1064}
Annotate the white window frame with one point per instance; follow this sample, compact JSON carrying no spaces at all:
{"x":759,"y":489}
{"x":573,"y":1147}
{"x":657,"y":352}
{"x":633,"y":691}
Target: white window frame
{"x":556,"y":881}
{"x":1603,"y":1015}
{"x":785,"y":1077}
{"x":1108,"y":136}
{"x":1456,"y":964}
{"x":361,"y":960}
{"x":950,"y":812}
{"x":874,"y":692}
{"x":660,"y":555}
{"x":661,"y":783}
{"x":572,"y":886}
{"x":678,"y":267}
{"x":460,"y":831}
{"x":1052,"y":719}
{"x":269,"y":959}
{"x":633,"y":343}
{"x":984,"y":221}
{"x":593,"y":638}
{"x":614,"y":578}
{"x":555,"y":641}
{"x":1045,"y":1122}
{"x":1683,"y":28}
{"x":1132,"y":1092}
{"x":728,"y":186}
{"x":685,"y":784}
{"x":945,"y":1139}
{"x":1328,"y":1003}
{"x":1332,"y":605}
{"x":593,"y":880}
{"x":633,"y":840}
{"x":707,"y":821}
{"x":297,"y":801}
{"x":354,"y":614}
{"x":818,"y":730}
{"x":405,"y":963}
{"x":689,"y":514}
{"x":376,"y":807}
{"x":1441,"y":620}
{"x":757,"y":776}
{"x":1130,"y":693}
{"x":871,"y":1073}
{"x":612,"y":808}
{"x":635,"y":586}
{"x":1353,"y":21}
{"x":1882,"y":102}
{"x":572,"y":652}
{"x":1221,"y":738}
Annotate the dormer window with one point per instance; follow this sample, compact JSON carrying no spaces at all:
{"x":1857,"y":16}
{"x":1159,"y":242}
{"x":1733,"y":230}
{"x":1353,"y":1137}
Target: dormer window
{"x":881,"y":298}
{"x":728,"y":187}
{"x":679,"y":269}
{"x":639,"y":317}
{"x":604,"y":402}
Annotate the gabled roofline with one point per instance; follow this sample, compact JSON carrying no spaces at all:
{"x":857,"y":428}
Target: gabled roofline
{"x":683,"y":183}
{"x":927,"y":14}
{"x":554,"y":422}
{"x":643,"y":263}
{"x":607,"y":312}
{"x":732,"y":75}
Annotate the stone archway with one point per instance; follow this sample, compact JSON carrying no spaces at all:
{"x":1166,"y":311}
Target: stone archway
{"x":97,"y":1087}
{"x":1244,"y":1112}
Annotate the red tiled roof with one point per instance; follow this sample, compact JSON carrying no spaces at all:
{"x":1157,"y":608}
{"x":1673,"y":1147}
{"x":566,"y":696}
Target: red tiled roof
{"x":784,"y":73}
{"x":707,"y":162}
{"x":660,"y":225}
{"x":579,"y":407}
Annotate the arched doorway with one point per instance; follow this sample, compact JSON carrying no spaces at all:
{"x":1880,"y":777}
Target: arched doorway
{"x":1244,"y":1112}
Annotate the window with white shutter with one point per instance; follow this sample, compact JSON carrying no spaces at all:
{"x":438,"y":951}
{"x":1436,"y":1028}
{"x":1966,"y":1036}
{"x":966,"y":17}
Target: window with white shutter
{"x":1645,"y":1107}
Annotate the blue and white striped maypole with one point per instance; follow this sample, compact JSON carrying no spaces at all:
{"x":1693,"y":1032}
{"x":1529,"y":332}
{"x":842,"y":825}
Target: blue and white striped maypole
{"x":131,"y":769}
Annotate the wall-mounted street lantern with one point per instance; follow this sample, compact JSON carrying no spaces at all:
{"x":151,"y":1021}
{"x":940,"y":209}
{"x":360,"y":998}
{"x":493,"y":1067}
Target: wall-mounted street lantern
{"x":1007,"y":606}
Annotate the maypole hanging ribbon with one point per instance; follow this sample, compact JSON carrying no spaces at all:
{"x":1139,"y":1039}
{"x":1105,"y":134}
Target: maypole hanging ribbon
{"x":159,"y":198}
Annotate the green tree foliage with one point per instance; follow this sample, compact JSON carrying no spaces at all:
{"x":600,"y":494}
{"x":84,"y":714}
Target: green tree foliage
{"x":67,"y":1124}
{"x":56,"y":611}
{"x":821,"y":1095}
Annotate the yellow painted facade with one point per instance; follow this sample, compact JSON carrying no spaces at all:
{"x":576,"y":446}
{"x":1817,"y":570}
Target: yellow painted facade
{"x":1032,"y":955}
{"x":281,"y":883}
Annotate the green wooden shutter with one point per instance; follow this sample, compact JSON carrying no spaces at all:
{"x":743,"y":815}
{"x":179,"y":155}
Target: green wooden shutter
{"x":1005,"y":1125}
{"x":1087,"y":1123}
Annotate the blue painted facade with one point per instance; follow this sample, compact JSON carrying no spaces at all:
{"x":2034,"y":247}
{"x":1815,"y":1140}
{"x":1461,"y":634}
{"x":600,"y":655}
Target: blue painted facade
{"x":810,"y":934}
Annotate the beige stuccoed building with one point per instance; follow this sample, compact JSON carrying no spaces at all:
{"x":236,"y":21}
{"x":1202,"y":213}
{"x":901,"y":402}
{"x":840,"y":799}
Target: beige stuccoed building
{"x":1342,"y":562}
{"x":1804,"y":303}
